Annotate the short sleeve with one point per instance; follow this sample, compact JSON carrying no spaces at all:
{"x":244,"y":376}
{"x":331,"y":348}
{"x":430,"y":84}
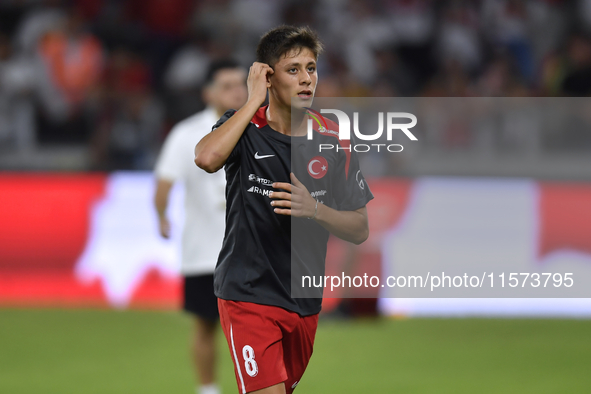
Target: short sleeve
{"x":351,"y":189}
{"x":170,"y":164}
{"x":227,"y":115}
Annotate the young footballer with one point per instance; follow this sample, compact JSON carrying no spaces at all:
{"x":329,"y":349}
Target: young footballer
{"x":277,"y":183}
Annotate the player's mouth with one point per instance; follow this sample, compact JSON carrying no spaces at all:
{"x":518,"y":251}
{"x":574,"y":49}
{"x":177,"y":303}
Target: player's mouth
{"x":305,"y":94}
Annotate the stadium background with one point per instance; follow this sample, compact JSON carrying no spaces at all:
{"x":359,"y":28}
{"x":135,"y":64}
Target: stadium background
{"x":90,"y":88}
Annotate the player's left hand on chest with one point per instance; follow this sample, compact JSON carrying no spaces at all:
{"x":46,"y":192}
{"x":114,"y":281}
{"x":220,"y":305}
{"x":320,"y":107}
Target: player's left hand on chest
{"x":295,"y":200}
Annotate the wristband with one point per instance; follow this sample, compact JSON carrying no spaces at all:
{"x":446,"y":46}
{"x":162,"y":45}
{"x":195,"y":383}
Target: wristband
{"x":315,"y":211}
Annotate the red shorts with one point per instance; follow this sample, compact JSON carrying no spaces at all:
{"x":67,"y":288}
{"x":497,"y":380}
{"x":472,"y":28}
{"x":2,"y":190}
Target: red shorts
{"x":268,"y":344}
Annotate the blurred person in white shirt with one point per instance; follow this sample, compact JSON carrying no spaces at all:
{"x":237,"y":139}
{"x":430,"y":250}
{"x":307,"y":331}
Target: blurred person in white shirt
{"x":224,"y":88}
{"x":17,"y":86}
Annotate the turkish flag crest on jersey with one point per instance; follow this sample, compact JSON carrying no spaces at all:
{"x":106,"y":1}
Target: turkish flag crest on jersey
{"x":317,"y":167}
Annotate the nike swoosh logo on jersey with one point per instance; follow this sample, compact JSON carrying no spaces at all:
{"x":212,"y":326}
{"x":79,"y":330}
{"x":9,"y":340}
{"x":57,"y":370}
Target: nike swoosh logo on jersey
{"x":256,"y":156}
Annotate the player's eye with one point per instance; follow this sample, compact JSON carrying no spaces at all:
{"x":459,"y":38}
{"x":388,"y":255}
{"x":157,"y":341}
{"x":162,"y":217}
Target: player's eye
{"x":293,"y":70}
{"x":311,"y":69}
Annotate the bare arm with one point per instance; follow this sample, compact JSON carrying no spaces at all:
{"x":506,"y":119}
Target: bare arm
{"x":214,"y":149}
{"x":352,"y":226}
{"x":161,"y":202}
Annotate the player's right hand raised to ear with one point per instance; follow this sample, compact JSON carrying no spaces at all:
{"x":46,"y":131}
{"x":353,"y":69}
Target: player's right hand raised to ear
{"x":257,"y":82}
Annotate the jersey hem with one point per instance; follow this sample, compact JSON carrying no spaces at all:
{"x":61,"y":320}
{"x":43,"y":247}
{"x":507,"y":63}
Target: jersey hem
{"x":246,"y":299}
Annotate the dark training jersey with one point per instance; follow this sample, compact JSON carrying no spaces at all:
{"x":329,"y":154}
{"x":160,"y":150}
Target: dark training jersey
{"x":260,"y":246}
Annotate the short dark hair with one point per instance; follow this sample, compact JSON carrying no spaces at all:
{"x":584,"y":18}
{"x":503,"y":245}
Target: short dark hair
{"x":280,"y":40}
{"x":217,"y":65}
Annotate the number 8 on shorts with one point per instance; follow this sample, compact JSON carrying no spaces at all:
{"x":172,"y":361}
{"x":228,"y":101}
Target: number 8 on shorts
{"x":252,"y":369}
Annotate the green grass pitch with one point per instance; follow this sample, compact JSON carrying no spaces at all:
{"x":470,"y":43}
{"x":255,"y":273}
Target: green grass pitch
{"x":145,"y":352}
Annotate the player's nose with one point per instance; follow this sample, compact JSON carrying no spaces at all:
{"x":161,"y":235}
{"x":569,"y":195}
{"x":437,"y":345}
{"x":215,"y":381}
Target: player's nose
{"x":305,"y":80}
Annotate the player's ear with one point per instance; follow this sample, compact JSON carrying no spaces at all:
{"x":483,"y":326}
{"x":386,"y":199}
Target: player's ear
{"x":268,"y":76}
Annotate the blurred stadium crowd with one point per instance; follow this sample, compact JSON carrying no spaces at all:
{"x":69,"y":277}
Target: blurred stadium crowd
{"x":111,"y":77}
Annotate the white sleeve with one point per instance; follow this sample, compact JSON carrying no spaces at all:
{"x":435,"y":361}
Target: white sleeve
{"x":170,"y":164}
